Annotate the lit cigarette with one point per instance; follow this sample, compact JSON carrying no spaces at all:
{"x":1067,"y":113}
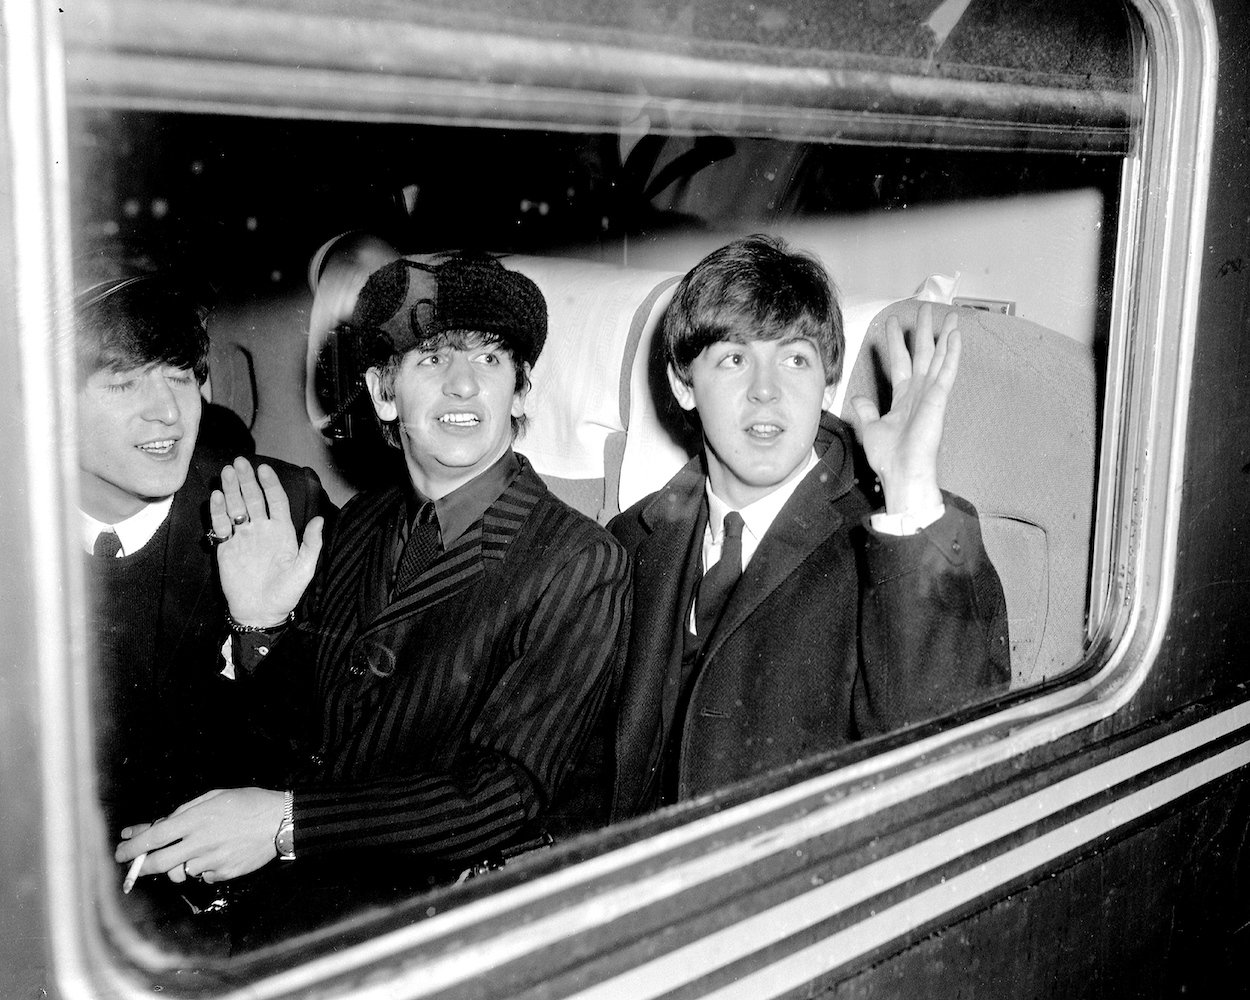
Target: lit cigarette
{"x":132,"y":874}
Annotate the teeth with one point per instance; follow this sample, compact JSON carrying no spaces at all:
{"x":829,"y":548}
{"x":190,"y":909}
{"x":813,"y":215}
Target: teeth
{"x":765,"y":429}
{"x":459,"y":419}
{"x":158,"y":447}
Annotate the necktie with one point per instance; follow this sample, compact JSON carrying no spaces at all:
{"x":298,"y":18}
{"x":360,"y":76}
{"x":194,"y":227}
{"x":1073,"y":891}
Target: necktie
{"x":107,"y":545}
{"x":718,"y":582}
{"x":421,"y":549}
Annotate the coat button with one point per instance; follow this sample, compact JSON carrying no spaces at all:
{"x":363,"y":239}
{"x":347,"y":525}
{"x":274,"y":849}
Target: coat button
{"x":316,"y":760}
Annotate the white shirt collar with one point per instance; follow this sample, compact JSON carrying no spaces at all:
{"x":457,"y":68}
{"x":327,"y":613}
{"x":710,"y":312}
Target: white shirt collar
{"x":133,"y":532}
{"x":757,"y":517}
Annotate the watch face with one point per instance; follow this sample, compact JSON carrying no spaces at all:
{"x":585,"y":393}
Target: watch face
{"x":285,"y":841}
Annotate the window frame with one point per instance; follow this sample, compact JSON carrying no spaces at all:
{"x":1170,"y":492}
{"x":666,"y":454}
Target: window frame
{"x":534,"y":932}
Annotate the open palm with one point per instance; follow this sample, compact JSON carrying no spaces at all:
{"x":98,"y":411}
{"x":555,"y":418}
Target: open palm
{"x":264,"y":568}
{"x":902,"y":444}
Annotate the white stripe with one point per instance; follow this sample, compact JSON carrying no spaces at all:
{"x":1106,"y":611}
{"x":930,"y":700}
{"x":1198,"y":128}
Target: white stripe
{"x":698,"y":959}
{"x":665,"y":973}
{"x":838,"y":949}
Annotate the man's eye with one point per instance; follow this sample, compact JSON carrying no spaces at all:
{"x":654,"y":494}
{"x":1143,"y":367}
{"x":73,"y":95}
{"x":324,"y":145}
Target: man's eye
{"x":732,"y":360}
{"x":799,"y":361}
{"x":488,"y":358}
{"x":125,"y":386}
{"x":430,"y":359}
{"x":181,"y":378}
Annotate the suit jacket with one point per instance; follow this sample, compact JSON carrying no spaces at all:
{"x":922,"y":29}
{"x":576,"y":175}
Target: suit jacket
{"x":193,"y":733}
{"x":833,"y":632}
{"x":441,"y":725}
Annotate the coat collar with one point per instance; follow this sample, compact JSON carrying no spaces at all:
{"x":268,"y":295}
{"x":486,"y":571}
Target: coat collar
{"x":809,"y":517}
{"x":482,"y":544}
{"x":679,"y":498}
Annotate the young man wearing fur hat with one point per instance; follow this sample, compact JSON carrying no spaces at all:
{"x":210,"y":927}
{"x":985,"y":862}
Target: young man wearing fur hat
{"x":457,"y":649}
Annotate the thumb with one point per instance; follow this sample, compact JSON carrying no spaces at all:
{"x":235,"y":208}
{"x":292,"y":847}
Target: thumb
{"x":310,"y":548}
{"x":865,"y":411}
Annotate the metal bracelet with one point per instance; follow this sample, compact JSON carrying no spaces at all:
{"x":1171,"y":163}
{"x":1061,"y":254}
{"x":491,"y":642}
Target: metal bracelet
{"x":240,"y":629}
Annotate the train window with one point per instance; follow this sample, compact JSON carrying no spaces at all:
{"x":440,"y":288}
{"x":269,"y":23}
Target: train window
{"x":1005,"y":161}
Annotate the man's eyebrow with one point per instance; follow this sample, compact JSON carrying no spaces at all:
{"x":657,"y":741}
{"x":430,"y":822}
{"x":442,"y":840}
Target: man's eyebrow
{"x":800,"y":339}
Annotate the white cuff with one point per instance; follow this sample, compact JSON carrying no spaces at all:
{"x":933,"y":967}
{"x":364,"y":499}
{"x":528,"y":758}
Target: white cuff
{"x":907,"y":522}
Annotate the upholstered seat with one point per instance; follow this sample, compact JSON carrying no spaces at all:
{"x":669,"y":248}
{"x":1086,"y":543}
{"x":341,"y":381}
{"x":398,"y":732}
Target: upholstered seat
{"x":1020,"y":444}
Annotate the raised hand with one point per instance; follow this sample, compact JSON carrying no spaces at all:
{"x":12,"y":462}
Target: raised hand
{"x":902,"y":445}
{"x":264,"y":569}
{"x":221,"y":835}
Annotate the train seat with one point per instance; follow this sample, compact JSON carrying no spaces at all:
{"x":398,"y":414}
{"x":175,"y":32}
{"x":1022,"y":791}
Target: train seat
{"x":1019,"y":443}
{"x":600,"y":317}
{"x":603,"y":430}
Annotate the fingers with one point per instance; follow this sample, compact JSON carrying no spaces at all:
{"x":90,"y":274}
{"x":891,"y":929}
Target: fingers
{"x":950,"y":346}
{"x":927,"y":358}
{"x":249,"y":487}
{"x":922,"y":346}
{"x":232,"y":496}
{"x":310,"y":548}
{"x":275,"y":495}
{"x":219,"y":516}
{"x":898,"y":363}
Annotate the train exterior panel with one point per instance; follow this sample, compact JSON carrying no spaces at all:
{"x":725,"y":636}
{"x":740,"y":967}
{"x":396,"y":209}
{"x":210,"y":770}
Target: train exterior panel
{"x":1082,"y":837}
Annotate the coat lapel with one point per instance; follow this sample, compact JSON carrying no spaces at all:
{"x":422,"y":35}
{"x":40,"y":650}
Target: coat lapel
{"x":459,"y":567}
{"x":666,"y":567}
{"x":807,"y":520}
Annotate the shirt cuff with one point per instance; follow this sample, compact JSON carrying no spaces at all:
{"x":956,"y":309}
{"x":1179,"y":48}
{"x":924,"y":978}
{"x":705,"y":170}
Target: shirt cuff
{"x":907,"y":522}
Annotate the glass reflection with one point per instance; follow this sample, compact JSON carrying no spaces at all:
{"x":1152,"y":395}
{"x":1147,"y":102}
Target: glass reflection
{"x":604,"y":224}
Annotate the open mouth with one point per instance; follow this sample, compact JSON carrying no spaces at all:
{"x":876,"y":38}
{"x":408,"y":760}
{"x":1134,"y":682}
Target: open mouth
{"x":764,"y":432}
{"x":158,"y":448}
{"x":459,"y":419}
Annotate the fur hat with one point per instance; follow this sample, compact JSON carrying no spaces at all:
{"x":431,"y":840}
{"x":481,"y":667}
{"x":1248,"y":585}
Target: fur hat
{"x":406,"y":302}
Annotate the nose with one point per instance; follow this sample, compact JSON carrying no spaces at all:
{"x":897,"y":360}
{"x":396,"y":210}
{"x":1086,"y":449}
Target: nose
{"x":461,"y":380}
{"x":160,"y":404}
{"x":763,"y":385}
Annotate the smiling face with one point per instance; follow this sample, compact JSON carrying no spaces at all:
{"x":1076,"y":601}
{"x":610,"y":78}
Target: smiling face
{"x":454,"y":403}
{"x":136,"y":432}
{"x":759,"y":403}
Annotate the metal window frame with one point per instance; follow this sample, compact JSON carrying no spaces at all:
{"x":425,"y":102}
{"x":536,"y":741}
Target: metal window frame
{"x":588,"y":916}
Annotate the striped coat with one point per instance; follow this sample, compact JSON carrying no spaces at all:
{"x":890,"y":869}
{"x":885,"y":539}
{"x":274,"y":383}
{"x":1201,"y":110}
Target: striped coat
{"x":443,"y":723}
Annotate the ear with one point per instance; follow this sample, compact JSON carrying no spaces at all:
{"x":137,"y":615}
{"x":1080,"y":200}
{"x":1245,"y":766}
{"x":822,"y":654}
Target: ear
{"x":827,"y":400}
{"x":518,"y":397}
{"x":383,"y":401}
{"x":683,"y":393}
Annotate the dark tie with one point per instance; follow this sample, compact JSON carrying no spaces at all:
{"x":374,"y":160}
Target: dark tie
{"x":107,"y":545}
{"x":420,"y":550}
{"x":717,"y":582}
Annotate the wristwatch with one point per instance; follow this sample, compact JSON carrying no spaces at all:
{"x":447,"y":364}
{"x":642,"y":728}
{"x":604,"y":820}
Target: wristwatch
{"x":284,"y":839}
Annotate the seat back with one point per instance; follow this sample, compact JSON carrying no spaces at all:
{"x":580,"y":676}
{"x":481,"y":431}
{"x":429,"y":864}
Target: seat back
{"x":1019,"y":443}
{"x":599,"y":318}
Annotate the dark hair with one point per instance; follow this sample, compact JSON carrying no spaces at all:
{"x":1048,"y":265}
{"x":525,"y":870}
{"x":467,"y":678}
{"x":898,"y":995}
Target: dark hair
{"x":139,"y":322}
{"x":755,"y":288}
{"x":459,"y":340}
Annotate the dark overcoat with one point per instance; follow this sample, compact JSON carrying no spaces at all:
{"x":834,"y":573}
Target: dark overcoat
{"x":833,"y":633}
{"x":192,"y":735}
{"x":439,"y":727}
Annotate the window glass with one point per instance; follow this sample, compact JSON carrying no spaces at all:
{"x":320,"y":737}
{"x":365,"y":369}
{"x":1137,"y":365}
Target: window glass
{"x":1002,"y":200}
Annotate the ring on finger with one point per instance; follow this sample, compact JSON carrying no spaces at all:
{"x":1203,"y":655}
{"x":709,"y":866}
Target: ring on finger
{"x":214,"y":538}
{"x":240,"y":519}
